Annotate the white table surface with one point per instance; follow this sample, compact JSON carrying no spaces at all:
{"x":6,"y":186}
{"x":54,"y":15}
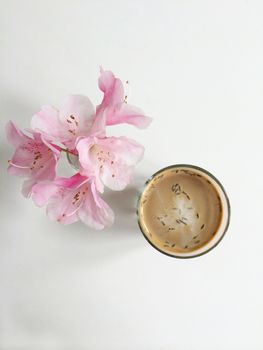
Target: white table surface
{"x":196,"y":67}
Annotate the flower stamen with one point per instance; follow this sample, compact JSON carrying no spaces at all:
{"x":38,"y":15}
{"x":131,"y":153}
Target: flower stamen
{"x":19,"y":166}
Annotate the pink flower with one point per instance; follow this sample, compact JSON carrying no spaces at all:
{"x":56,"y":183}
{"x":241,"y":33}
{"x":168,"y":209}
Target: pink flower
{"x":109,"y":160}
{"x":34,"y":158}
{"x":114,"y":103}
{"x":73,"y":119}
{"x":72,"y":199}
{"x":76,"y":117}
{"x":101,"y":160}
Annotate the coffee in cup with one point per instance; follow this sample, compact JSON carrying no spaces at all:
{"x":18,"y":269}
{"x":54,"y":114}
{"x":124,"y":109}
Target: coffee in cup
{"x":183,"y":211}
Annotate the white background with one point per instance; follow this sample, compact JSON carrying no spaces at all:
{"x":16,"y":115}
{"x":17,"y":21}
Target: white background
{"x":196,"y":67}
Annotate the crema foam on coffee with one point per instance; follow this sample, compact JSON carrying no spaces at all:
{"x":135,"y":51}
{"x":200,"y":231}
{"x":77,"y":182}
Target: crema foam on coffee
{"x":181,"y":210}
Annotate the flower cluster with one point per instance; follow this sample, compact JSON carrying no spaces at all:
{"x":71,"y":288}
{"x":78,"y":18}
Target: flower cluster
{"x":80,"y":130}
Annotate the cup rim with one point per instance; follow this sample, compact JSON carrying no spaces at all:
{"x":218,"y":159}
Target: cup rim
{"x":205,"y":172}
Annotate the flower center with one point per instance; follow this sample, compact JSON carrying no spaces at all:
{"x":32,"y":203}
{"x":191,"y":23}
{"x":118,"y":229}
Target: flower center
{"x":72,"y":125}
{"x":102,"y":155}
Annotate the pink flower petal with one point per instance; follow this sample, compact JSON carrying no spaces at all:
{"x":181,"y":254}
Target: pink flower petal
{"x":95,"y":212}
{"x":99,"y":125}
{"x":109,"y":159}
{"x":112,"y":88}
{"x":114,"y":107}
{"x":64,"y":203}
{"x":43,"y":191}
{"x":72,"y":199}
{"x":61,"y":209}
{"x":125,"y":150}
{"x":14,"y":135}
{"x":117,"y":177}
{"x":77,"y":114}
{"x":47,"y":122}
{"x":33,"y":159}
{"x":74,"y":119}
{"x":128,"y":114}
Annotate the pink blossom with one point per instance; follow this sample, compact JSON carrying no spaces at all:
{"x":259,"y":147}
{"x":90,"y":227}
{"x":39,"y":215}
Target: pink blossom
{"x":72,"y":199}
{"x":72,"y":120}
{"x":34,"y":158}
{"x":101,"y":160}
{"x":76,"y":117}
{"x":110,"y":160}
{"x":114,"y":103}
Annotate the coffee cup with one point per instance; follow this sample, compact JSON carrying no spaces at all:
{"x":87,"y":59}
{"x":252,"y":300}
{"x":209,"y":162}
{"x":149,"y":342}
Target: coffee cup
{"x":183,"y":211}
